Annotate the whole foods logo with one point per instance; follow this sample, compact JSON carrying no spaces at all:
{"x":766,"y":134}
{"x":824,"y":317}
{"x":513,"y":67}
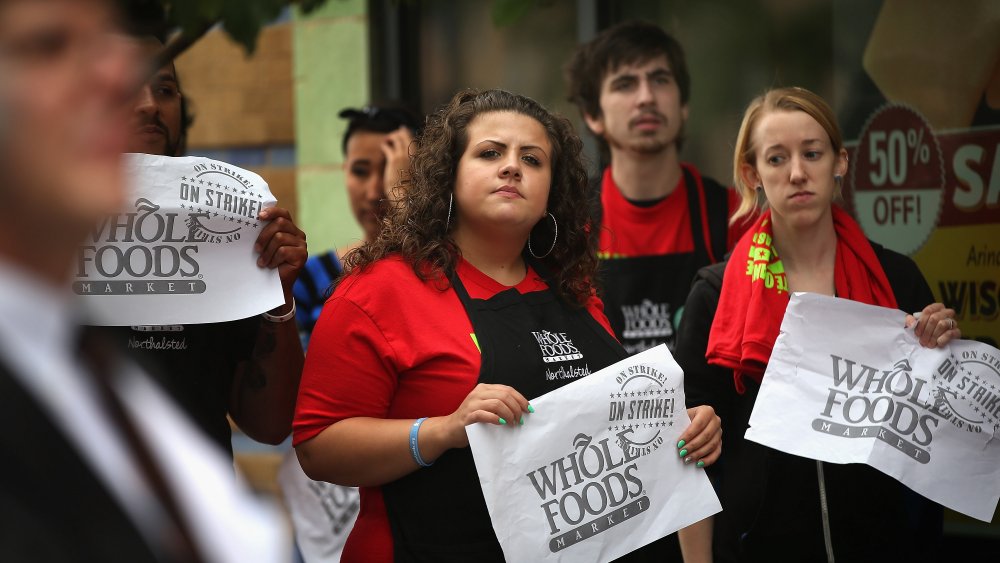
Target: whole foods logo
{"x":556,"y":347}
{"x":152,"y":251}
{"x":340,"y":504}
{"x":641,"y":409}
{"x":889,"y":405}
{"x":588,"y":491}
{"x":647,"y":320}
{"x":156,"y":251}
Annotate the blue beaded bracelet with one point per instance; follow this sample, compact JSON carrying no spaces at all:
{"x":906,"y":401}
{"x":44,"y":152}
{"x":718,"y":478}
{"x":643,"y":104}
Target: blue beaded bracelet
{"x":414,"y":449}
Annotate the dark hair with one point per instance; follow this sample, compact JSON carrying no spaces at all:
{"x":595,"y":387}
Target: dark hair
{"x":623,"y":44}
{"x":147,"y":19}
{"x":378,"y":118}
{"x":418,"y":229}
{"x":144,"y":18}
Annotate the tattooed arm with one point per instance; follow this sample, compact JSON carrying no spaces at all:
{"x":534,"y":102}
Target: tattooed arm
{"x":262,"y":399}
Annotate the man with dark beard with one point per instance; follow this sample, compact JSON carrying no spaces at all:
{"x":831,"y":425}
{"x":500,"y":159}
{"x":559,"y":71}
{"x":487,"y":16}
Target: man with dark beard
{"x":247,"y":369}
{"x":661,"y":219}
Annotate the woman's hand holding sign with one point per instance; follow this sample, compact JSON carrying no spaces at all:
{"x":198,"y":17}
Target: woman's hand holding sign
{"x":701,"y":441}
{"x":935,"y":325}
{"x":493,"y":404}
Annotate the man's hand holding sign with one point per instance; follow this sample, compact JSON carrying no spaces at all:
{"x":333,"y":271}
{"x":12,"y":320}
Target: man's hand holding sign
{"x":282,"y":247}
{"x":183,"y":252}
{"x":202,"y":243}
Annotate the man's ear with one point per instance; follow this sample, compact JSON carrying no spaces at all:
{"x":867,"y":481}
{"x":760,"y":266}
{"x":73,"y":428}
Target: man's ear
{"x":595,"y":124}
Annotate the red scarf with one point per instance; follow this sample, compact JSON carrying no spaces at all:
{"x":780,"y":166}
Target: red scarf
{"x":755,"y":294}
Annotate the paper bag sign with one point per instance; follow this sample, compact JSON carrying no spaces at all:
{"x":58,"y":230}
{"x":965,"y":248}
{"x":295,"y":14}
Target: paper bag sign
{"x":846,"y":383}
{"x":594,"y":473}
{"x":182,"y":251}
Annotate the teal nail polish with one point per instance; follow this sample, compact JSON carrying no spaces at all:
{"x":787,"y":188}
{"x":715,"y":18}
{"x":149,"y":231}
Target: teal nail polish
{"x":700,"y":464}
{"x":531,"y":409}
{"x":502,"y":421}
{"x":522,"y":421}
{"x":684,"y":453}
{"x":680,"y":444}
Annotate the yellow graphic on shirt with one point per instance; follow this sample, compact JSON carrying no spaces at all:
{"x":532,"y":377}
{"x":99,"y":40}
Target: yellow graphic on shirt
{"x":760,"y":265}
{"x":606,"y":255}
{"x":475,"y":341}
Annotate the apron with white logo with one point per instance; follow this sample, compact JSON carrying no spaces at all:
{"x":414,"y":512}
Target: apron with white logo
{"x":533,"y":342}
{"x":644,"y":295}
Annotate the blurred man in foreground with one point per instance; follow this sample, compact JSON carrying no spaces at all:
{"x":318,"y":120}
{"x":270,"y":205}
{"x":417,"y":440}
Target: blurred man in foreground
{"x":95,"y":463}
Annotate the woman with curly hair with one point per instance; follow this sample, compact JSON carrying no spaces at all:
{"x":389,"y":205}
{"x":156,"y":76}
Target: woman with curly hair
{"x":443,"y":321}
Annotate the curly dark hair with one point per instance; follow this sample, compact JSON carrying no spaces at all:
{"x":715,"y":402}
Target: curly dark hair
{"x":417,"y":227}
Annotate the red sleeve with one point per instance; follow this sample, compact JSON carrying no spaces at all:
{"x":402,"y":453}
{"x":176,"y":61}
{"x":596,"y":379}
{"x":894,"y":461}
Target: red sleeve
{"x":736,"y":229}
{"x":596,"y":309}
{"x":349,"y":371}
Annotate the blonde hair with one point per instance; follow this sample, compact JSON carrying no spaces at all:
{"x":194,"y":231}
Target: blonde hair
{"x":779,"y":99}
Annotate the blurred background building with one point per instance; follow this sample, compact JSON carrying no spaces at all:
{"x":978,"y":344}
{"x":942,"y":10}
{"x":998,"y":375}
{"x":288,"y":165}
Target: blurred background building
{"x":916,"y":84}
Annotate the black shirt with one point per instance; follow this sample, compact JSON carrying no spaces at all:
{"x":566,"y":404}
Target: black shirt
{"x":770,"y":499}
{"x":196,"y":364}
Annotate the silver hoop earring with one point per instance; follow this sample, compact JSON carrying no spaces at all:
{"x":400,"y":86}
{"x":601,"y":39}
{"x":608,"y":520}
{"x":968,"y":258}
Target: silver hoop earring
{"x":447,"y":222}
{"x":555,"y":237}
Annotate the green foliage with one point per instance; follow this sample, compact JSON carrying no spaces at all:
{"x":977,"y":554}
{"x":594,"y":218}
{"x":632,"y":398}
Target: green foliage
{"x":242,"y":19}
{"x":509,"y":12}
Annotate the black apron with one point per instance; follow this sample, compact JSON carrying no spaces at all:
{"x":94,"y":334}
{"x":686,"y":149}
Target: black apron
{"x":644,"y":296}
{"x":533,"y":342}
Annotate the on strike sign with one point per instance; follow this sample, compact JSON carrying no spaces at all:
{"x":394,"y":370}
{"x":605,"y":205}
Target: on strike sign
{"x":929,"y":418}
{"x":182,"y":251}
{"x":593,"y":474}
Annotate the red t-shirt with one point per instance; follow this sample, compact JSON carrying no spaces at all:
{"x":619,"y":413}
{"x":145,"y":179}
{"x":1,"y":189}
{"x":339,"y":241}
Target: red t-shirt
{"x":388,"y":345}
{"x":629,"y":230}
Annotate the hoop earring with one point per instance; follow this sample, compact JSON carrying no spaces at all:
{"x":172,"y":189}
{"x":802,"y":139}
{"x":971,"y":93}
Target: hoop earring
{"x":447,"y":222}
{"x":555,"y":237}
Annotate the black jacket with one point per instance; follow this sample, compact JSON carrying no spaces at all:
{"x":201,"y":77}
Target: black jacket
{"x":53,"y":506}
{"x":770,"y":499}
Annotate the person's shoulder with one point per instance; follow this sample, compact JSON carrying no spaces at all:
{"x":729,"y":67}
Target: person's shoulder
{"x":324,"y":259}
{"x":893,"y":262}
{"x":387,"y":276}
{"x":711,"y":276}
{"x":708,"y":182}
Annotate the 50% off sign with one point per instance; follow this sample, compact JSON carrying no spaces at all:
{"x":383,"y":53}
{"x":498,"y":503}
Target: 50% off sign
{"x":898,"y":178}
